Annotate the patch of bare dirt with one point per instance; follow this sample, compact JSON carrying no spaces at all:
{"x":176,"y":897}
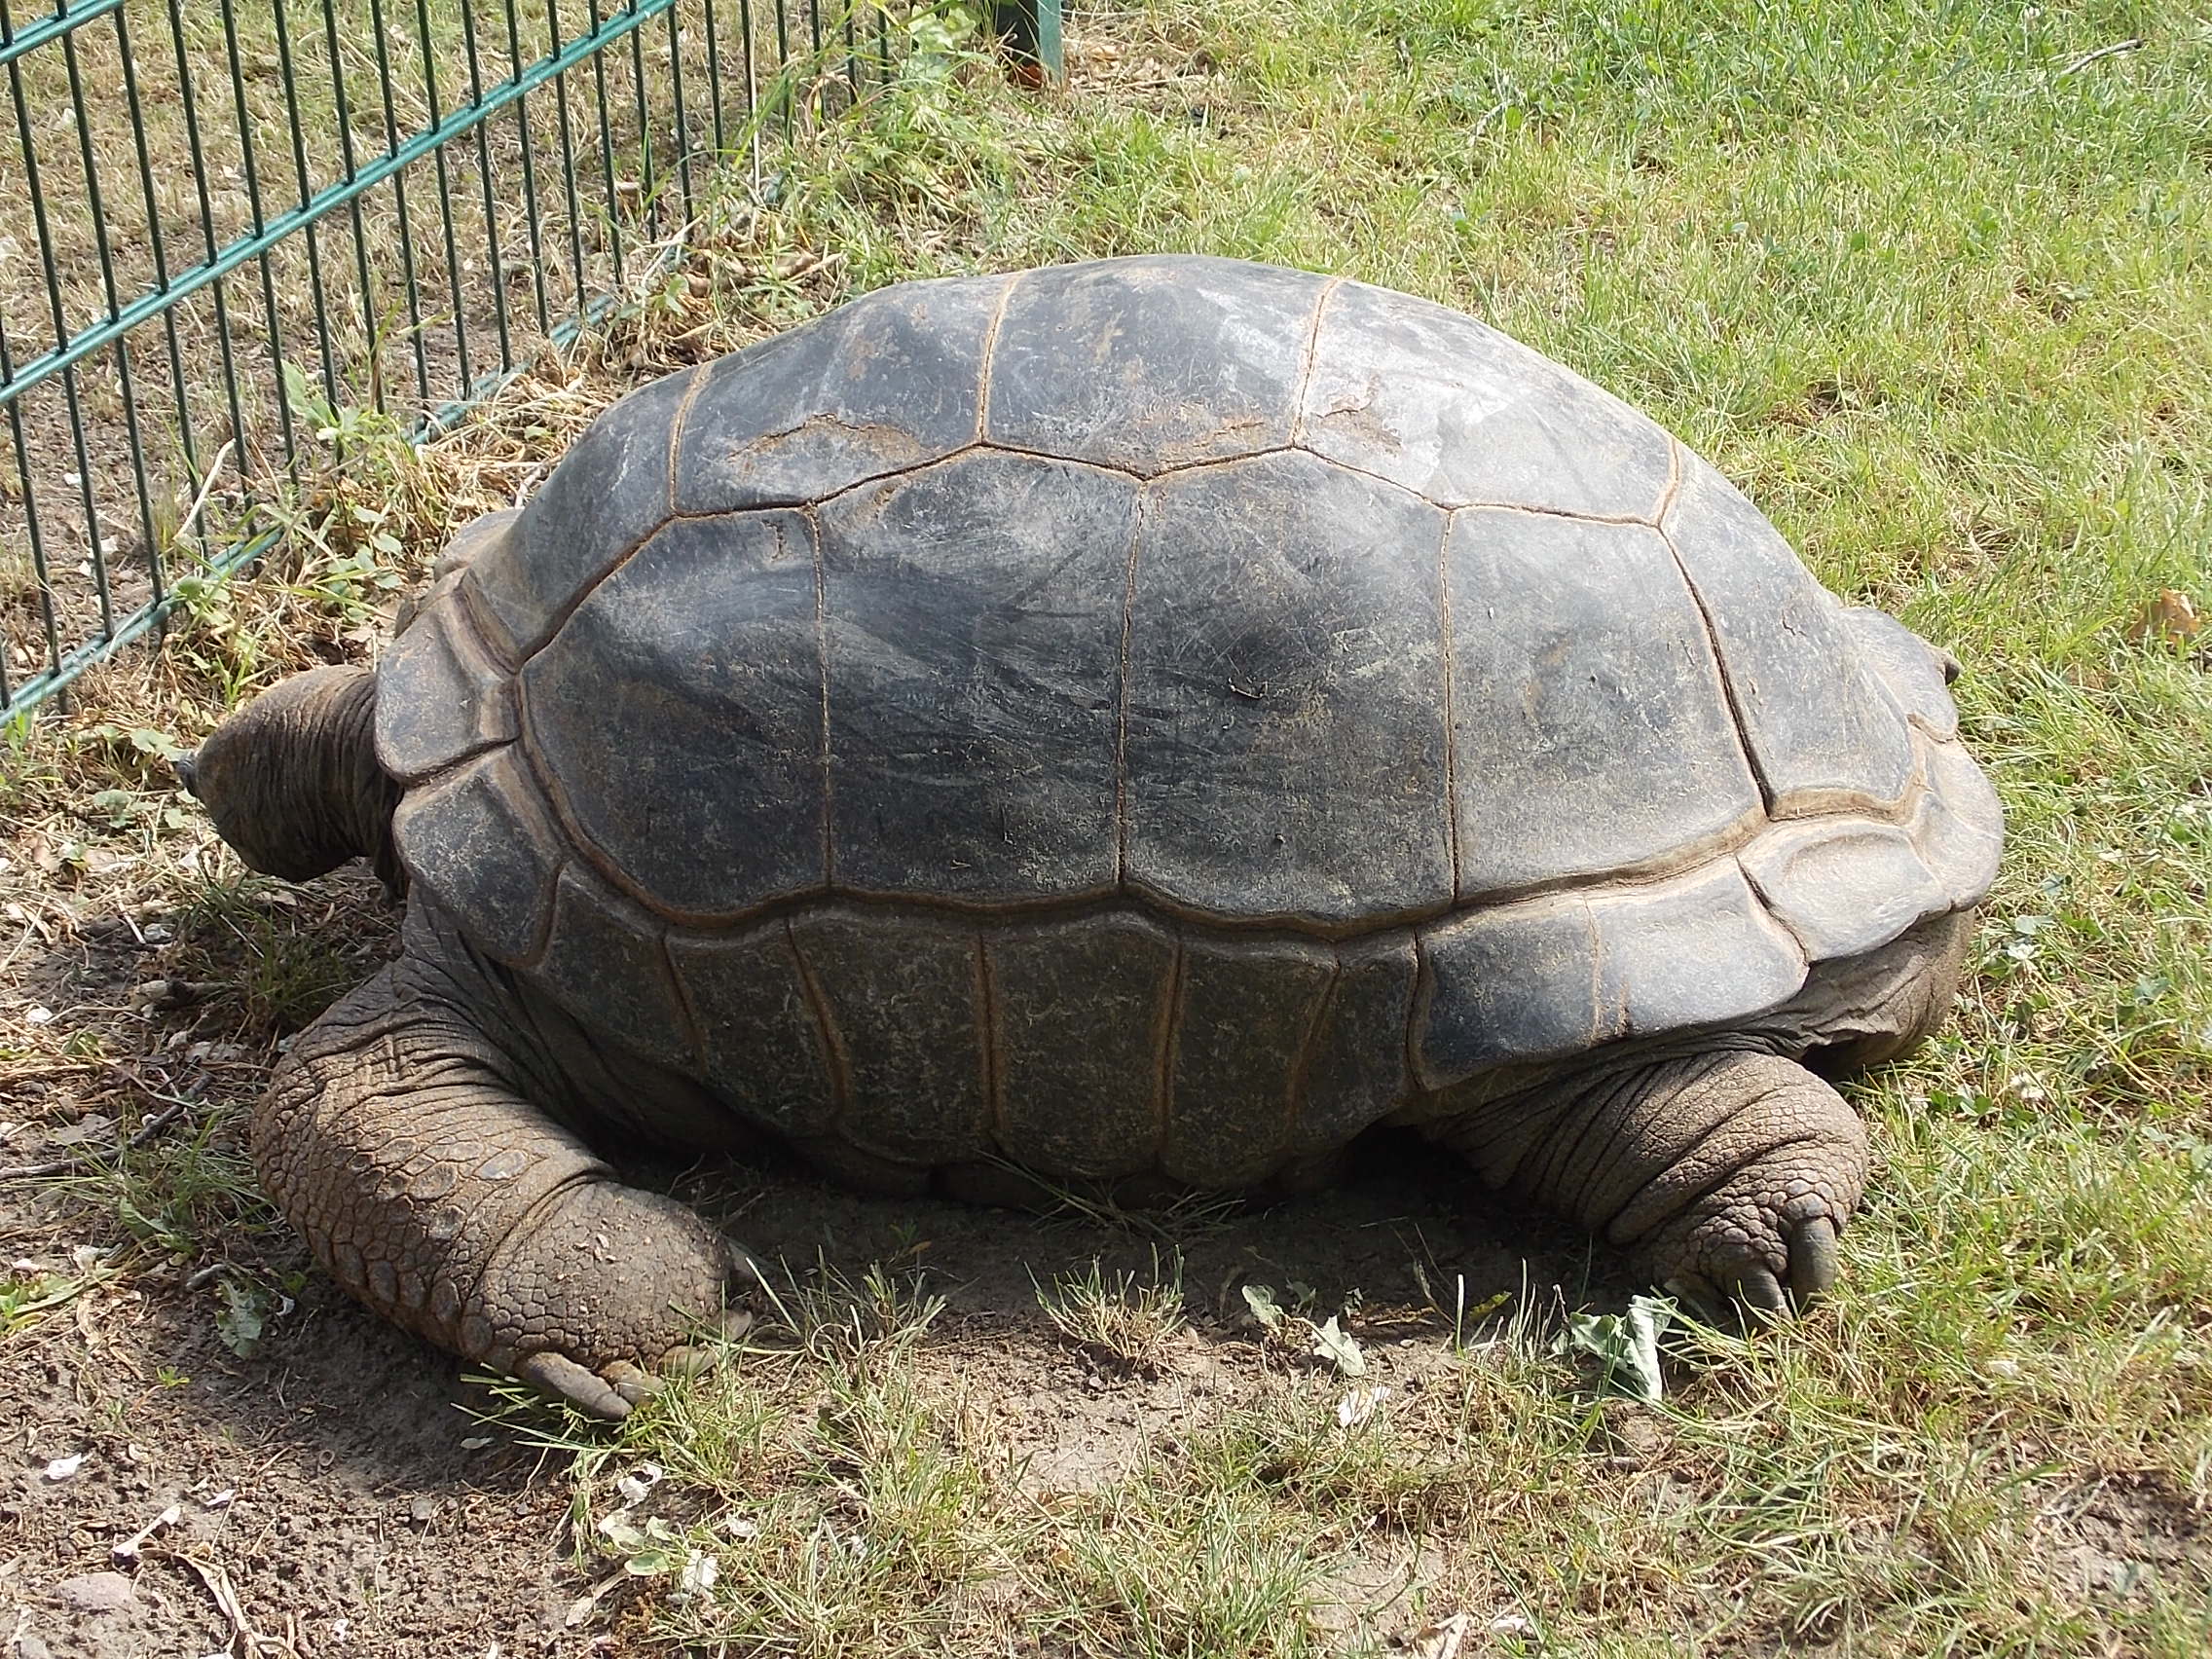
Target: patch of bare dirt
{"x":319,"y":1495}
{"x":2125,"y":1530}
{"x":1073,"y":1419}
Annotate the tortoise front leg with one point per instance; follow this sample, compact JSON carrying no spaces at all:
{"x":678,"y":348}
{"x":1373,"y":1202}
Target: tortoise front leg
{"x":1729,"y":1172}
{"x":393,"y":1137}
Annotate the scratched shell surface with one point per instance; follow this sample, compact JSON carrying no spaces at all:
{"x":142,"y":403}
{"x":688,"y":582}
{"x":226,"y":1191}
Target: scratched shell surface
{"x":1172,"y":680}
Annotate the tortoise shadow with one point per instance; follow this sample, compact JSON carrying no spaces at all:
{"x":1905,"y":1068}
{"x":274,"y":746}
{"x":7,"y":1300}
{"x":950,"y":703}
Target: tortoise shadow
{"x":1404,"y":1229}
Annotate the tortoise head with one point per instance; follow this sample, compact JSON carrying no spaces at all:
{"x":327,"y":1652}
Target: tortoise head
{"x":292,"y":782}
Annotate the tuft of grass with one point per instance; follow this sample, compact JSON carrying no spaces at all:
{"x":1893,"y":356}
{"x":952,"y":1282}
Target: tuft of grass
{"x":827,"y":1314}
{"x":1118,"y":1317}
{"x":270,"y":968}
{"x":1156,"y":1573}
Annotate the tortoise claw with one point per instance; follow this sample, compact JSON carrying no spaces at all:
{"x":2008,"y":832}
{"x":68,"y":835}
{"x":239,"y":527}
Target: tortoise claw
{"x":627,"y":1380}
{"x":695,"y":1358}
{"x":610,"y":1393}
{"x":1761,"y":1296}
{"x":1814,"y":1260}
{"x":563,"y":1378}
{"x":1695,"y":1292}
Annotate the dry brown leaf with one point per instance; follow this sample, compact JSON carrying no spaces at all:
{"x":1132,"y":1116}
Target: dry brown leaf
{"x":1440,"y":1640}
{"x":2172,"y":616}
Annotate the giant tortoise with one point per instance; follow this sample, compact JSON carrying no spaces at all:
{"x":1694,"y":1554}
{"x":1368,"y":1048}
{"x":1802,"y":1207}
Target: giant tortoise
{"x":1130,"y":725}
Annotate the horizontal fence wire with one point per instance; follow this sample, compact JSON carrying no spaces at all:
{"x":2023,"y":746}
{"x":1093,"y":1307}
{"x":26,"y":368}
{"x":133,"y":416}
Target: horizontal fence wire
{"x":223,"y":222}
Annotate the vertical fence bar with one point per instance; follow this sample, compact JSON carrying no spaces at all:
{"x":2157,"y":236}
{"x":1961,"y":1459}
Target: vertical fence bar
{"x":260,"y":224}
{"x":399,"y":205}
{"x":752,"y":79}
{"x":191,"y":104}
{"x":648,"y":195}
{"x":123,"y":386}
{"x":784,"y":64}
{"x":316,"y":293}
{"x":715,"y":80}
{"x":154,"y":238}
{"x":34,"y":183}
{"x":529,"y":145}
{"x":494,"y":250}
{"x":682,"y":126}
{"x":1031,"y":30}
{"x":606,"y":151}
{"x":445,"y":194}
{"x":372,"y":330}
{"x":31,"y":530}
{"x":568,"y":167}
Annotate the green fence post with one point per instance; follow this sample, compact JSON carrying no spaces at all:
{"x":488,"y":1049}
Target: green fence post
{"x":1031,"y":30}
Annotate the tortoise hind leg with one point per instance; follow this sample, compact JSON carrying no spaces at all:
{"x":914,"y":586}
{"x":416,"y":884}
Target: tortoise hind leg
{"x":1729,"y":1169}
{"x":395,"y":1139}
{"x":1727,"y":1172}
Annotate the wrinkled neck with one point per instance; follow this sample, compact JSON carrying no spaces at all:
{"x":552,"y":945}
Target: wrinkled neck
{"x":355,"y":798}
{"x":293,"y":779}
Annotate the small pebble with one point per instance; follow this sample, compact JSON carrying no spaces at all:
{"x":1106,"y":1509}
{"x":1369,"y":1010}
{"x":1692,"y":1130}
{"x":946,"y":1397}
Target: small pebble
{"x":96,"y":1593}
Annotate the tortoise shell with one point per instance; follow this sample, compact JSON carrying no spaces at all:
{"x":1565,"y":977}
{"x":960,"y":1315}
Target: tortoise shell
{"x":1155,"y":715}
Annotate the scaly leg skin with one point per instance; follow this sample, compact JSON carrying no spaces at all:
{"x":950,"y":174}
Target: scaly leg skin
{"x":1728,"y":1175}
{"x":395,"y":1139}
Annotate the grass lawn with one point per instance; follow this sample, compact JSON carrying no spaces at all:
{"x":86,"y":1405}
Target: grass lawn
{"x":1934,"y":284}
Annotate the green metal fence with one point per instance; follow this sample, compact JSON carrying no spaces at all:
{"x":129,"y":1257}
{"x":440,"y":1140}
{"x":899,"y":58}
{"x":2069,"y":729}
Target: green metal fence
{"x":221,"y":220}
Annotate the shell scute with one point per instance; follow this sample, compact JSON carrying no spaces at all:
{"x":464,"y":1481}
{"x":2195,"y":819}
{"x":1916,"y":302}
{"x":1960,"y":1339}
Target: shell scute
{"x":1958,"y":829}
{"x":1451,"y":408}
{"x":974,"y":639}
{"x":604,"y":962}
{"x":1550,"y":976}
{"x":1285,"y":723}
{"x":478,"y":537}
{"x":1590,"y":731}
{"x":1148,"y":364}
{"x":1356,"y":1059}
{"x":1080,"y":1013}
{"x":1244,"y":1013}
{"x":609,"y":494}
{"x":900,"y":996}
{"x":1916,"y":673}
{"x":440,"y":696}
{"x":1842,"y":886}
{"x":1697,"y":951}
{"x":891,"y":380}
{"x":680,"y":713}
{"x":1508,"y":985}
{"x":484,"y":842}
{"x":759,"y":1041}
{"x":1821,"y":730}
